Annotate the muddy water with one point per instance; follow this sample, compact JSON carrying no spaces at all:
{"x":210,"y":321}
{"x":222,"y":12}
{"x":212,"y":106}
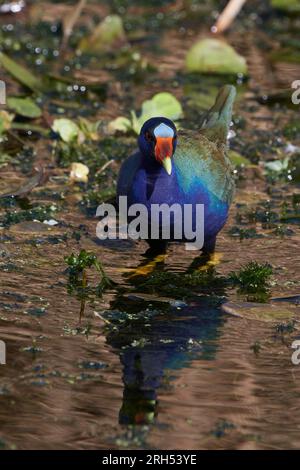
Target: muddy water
{"x":157,"y":368}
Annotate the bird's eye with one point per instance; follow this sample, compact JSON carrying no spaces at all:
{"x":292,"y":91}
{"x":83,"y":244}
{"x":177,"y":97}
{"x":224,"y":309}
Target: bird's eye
{"x":148,"y":136}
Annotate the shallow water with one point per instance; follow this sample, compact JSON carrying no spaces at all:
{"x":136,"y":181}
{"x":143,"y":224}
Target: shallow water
{"x":153,"y":367}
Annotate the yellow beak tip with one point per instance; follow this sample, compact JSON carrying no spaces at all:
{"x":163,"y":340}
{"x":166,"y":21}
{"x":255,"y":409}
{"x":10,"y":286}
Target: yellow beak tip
{"x":167,"y":164}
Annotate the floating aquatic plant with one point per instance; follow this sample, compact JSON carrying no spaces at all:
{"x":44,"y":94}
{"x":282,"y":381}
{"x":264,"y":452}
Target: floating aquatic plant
{"x":161,"y":104}
{"x":70,"y":131}
{"x":215,"y":56}
{"x":66,"y":129}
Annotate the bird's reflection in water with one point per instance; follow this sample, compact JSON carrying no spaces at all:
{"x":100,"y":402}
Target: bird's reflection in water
{"x":154,"y":338}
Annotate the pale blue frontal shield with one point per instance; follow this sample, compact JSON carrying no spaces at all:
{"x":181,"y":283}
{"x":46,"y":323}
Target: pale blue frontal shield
{"x":163,"y":131}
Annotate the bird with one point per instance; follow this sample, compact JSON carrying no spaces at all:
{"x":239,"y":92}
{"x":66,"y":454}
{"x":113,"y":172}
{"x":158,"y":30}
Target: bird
{"x":184,"y":167}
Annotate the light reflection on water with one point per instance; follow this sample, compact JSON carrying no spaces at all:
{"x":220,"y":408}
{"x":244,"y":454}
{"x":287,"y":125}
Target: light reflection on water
{"x":181,"y":376}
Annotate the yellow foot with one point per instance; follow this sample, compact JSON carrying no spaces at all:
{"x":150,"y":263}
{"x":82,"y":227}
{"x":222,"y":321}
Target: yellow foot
{"x":149,"y":267}
{"x":214,"y":260}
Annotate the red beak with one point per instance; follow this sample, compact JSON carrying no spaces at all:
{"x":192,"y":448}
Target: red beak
{"x":163,"y":148}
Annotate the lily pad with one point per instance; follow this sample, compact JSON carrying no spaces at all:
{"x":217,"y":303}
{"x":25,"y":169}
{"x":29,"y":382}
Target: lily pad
{"x":24,"y":107}
{"x":67,"y":129}
{"x":20,"y":73}
{"x":162,"y":104}
{"x":108,"y":33}
{"x":215,"y":56}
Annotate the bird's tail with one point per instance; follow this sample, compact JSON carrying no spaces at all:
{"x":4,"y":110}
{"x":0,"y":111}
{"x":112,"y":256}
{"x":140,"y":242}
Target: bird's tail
{"x":215,"y":123}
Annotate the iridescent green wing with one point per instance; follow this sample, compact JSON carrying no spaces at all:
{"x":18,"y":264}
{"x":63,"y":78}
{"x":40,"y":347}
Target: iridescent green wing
{"x":198,"y":160}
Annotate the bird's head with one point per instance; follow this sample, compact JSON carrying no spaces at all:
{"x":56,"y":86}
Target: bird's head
{"x":157,"y":141}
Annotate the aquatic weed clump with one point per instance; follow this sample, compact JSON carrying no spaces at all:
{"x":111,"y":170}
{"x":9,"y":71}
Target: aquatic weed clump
{"x":244,"y":233}
{"x":264,"y":213}
{"x":77,"y":265}
{"x":180,"y":284}
{"x":253,"y":278}
{"x":222,"y":428}
{"x":282,"y":328}
{"x":78,"y":282}
{"x":39,"y":213}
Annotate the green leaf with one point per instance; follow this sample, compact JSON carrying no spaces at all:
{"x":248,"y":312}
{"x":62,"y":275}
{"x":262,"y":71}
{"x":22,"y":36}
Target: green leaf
{"x":215,"y":56}
{"x":162,"y":104}
{"x":286,"y":5}
{"x":24,"y":107}
{"x":88,"y":128}
{"x":4,"y":159}
{"x":25,"y":126}
{"x":5,"y":121}
{"x":20,"y":73}
{"x":277,"y":165}
{"x":67,"y":129}
{"x":109,"y":32}
{"x":121,"y":124}
{"x":238,"y":159}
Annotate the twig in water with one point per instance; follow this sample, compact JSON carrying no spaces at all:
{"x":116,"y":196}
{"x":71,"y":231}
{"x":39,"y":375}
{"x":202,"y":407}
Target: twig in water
{"x":69,"y":22}
{"x":227,"y":16}
{"x":35,"y":181}
{"x":104,"y":167}
{"x":82,"y":303}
